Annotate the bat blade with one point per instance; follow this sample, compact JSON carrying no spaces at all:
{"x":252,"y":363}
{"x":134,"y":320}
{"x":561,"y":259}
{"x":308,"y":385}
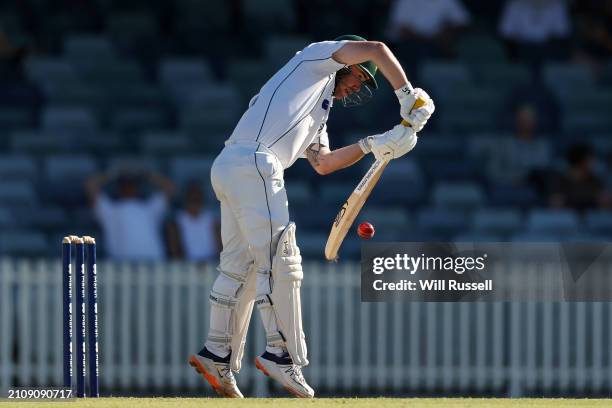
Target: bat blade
{"x":350,"y":209}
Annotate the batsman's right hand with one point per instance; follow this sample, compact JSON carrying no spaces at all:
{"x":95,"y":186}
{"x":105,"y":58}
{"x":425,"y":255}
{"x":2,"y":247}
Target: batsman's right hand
{"x":393,"y":143}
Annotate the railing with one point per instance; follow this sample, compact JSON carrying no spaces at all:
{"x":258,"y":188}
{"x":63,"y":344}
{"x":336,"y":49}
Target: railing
{"x":152,"y":316}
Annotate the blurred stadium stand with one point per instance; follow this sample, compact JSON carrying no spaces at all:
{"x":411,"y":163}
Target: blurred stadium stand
{"x":163,"y":83}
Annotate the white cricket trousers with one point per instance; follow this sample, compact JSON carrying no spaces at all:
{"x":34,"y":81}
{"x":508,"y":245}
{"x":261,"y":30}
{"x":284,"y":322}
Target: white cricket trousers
{"x":248,"y":181}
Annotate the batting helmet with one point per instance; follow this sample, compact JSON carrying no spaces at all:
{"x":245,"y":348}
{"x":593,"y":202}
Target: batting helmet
{"x":369,"y":67}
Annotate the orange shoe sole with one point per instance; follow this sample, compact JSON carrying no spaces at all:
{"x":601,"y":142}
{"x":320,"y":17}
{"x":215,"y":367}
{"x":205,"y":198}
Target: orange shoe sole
{"x":193,"y":361}
{"x":261,"y":368}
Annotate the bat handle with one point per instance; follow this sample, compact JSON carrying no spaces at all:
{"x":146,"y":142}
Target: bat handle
{"x":419,"y":102}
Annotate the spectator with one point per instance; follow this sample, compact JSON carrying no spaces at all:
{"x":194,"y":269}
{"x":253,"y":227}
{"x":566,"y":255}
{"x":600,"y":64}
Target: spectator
{"x":594,"y":30}
{"x":194,"y":234}
{"x":535,"y":29}
{"x":132,"y":222}
{"x":514,"y":160}
{"x":432,"y":24}
{"x":11,"y":56}
{"x":579,"y":188}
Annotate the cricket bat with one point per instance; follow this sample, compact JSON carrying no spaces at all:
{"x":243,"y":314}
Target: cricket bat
{"x":351,"y":207}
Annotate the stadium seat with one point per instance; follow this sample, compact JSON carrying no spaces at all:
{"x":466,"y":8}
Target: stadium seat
{"x":458,"y":195}
{"x":482,"y":146}
{"x":280,"y":49}
{"x":298,"y":193}
{"x":386,"y":193}
{"x":477,"y":236}
{"x":104,"y":144}
{"x":23,"y":243}
{"x":64,"y":119}
{"x":587,"y":101}
{"x":553,"y":221}
{"x":19,"y":95}
{"x":75,"y":94}
{"x":7,"y":218}
{"x":335,"y":193}
{"x":439,"y":147}
{"x":562,"y":78}
{"x":213,"y":96}
{"x":137,"y":164}
{"x":599,"y":222}
{"x":314,"y":221}
{"x":185,"y":71}
{"x":184,"y":169}
{"x":384,"y":218}
{"x":11,"y":22}
{"x":46,"y":218}
{"x":501,"y":75}
{"x":442,"y":222}
{"x":84,"y":219}
{"x":467,"y":108}
{"x":451,"y":170}
{"x":439,"y":76}
{"x":17,"y":193}
{"x":480,"y":48}
{"x":15,"y":118}
{"x":40,"y":143}
{"x":586,"y":123}
{"x":205,"y":123}
{"x":507,"y":195}
{"x":212,"y":16}
{"x":601,"y":143}
{"x":63,"y":178}
{"x":159,"y":143}
{"x":312,"y":244}
{"x":497,"y":221}
{"x":87,"y":47}
{"x":136,"y":95}
{"x":249,"y":76}
{"x":69,"y":167}
{"x":267,"y":15}
{"x":136,"y":120}
{"x":111,"y":73}
{"x":44,"y":70}
{"x":17,"y":167}
{"x":533,"y":236}
{"x":403,"y":182}
{"x":131,"y":29}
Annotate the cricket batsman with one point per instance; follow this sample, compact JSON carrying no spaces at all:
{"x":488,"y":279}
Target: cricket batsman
{"x":260,"y":262}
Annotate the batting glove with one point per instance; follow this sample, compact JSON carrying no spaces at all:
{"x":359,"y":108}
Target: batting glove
{"x":391,"y":144}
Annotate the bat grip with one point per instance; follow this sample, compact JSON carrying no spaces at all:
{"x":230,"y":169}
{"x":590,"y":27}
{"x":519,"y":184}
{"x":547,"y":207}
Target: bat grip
{"x":417,"y":104}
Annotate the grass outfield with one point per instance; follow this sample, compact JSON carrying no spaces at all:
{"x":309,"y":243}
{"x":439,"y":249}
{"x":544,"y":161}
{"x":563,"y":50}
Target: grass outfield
{"x":323,"y":403}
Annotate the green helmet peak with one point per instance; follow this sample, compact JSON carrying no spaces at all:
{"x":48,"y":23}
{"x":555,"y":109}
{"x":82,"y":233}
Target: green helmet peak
{"x":368,"y":66}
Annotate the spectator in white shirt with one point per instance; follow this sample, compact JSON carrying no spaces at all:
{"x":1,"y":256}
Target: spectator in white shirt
{"x":432,"y":23}
{"x":132,"y":222}
{"x":534,"y":28}
{"x":514,"y":160}
{"x":194,"y":233}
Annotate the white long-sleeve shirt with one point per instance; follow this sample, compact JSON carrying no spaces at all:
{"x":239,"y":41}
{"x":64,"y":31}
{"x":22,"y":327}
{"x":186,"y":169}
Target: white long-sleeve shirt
{"x":291,"y":110}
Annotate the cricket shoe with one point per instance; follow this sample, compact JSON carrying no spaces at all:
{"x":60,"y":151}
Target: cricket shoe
{"x":285,"y":372}
{"x":217,"y":372}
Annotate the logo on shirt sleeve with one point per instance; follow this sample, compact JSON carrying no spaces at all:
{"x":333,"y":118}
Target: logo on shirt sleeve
{"x":325,"y":104}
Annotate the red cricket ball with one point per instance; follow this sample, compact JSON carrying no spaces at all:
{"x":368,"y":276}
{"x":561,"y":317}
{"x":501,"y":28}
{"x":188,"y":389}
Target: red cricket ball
{"x":365,"y":230}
